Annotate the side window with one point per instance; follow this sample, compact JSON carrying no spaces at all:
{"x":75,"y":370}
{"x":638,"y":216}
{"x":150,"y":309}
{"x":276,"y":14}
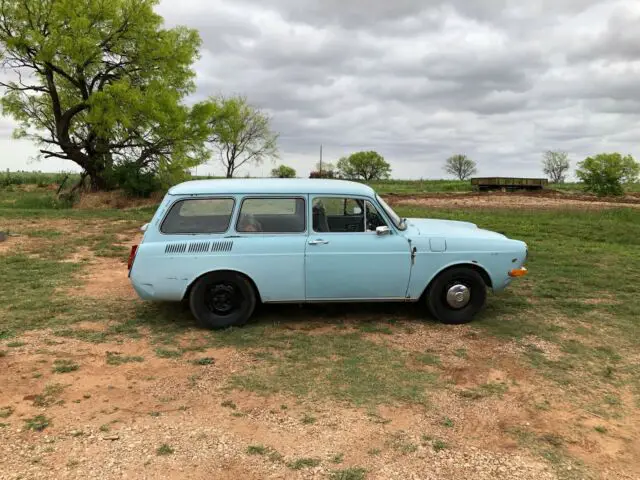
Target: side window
{"x":272,"y":215}
{"x":374,"y":219}
{"x":333,"y":214}
{"x":201,"y":215}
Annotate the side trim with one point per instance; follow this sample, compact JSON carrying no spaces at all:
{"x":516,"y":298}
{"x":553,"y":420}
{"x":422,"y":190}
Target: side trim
{"x":349,"y":300}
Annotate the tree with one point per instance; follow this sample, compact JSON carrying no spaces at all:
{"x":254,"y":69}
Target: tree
{"x":555,"y":164}
{"x":607,"y":173}
{"x":283,"y":171}
{"x":101,"y":83}
{"x":365,"y":166}
{"x":241,"y":133}
{"x":460,"y":166}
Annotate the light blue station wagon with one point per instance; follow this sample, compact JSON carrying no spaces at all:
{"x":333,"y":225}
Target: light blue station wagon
{"x":225,"y":245}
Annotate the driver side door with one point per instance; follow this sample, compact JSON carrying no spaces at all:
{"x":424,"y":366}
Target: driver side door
{"x":345,"y":259}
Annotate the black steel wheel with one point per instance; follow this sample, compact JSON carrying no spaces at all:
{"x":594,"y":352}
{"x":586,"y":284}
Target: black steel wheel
{"x":222,"y":299}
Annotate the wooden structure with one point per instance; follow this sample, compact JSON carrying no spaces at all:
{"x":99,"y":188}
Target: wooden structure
{"x":508,"y":184}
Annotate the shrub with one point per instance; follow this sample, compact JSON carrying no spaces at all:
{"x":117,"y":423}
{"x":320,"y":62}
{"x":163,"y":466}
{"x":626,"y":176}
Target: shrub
{"x":606,"y":173}
{"x":283,"y":171}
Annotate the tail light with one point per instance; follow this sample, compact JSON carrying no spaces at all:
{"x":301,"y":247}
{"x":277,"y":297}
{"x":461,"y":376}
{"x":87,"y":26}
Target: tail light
{"x":132,"y":256}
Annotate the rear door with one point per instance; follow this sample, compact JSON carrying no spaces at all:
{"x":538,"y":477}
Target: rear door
{"x":346,"y":260}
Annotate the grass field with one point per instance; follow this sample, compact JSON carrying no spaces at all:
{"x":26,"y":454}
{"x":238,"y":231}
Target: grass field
{"x":545,"y":384}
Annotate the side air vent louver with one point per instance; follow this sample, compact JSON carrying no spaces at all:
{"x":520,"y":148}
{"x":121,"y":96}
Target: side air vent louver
{"x":175,"y":248}
{"x":224,"y":246}
{"x":199,"y":247}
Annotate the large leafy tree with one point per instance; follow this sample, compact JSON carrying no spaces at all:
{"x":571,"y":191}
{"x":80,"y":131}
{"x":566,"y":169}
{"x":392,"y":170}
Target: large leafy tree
{"x":555,"y":165}
{"x":101,"y":83}
{"x":241,"y":133}
{"x":607,"y":173}
{"x":365,"y":166}
{"x":460,"y":166}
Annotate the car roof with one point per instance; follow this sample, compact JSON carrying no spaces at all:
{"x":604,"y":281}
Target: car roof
{"x":287,"y":186}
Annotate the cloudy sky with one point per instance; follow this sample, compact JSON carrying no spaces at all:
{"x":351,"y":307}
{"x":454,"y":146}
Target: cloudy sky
{"x":418,"y":80}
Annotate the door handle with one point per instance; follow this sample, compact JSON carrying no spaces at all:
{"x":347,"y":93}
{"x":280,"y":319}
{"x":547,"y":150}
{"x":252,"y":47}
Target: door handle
{"x":318,"y":242}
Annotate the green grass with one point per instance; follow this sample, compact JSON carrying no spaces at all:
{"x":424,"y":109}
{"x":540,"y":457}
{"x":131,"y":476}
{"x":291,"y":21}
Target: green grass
{"x":353,"y":473}
{"x":164,"y":449}
{"x":300,"y":463}
{"x":37,"y":423}
{"x":118,"y":359}
{"x":64,"y":366}
{"x":204,"y":361}
{"x":257,"y":450}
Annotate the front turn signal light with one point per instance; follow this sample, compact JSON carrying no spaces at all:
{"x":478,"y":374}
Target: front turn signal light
{"x":518,"y":272}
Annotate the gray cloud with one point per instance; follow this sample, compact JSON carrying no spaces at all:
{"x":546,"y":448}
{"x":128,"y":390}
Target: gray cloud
{"x":418,"y":80}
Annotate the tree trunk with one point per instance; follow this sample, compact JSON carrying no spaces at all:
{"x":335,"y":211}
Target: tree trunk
{"x":230,"y":171}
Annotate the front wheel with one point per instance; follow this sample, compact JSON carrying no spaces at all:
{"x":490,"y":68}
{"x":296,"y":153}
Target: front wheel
{"x":222,"y":299}
{"x":456,"y":295}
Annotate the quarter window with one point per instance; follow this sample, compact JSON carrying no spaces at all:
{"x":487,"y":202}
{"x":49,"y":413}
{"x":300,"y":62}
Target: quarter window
{"x":272,"y":215}
{"x":201,"y":215}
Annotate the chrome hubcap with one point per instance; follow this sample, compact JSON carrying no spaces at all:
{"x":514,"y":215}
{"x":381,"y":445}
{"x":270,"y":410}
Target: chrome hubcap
{"x":458,"y":296}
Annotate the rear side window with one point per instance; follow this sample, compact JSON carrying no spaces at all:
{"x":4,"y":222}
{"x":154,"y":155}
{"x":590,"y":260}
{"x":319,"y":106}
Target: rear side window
{"x":272,"y":215}
{"x":199,"y":215}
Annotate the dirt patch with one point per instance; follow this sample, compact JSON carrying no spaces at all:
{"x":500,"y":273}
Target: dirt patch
{"x":104,"y":278}
{"x":535,"y":201}
{"x":115,"y":199}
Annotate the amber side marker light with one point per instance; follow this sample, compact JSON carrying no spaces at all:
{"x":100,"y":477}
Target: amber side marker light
{"x":518,"y":272}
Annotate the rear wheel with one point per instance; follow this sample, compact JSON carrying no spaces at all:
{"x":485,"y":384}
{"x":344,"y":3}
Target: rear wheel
{"x":222,"y":299}
{"x":456,"y":295}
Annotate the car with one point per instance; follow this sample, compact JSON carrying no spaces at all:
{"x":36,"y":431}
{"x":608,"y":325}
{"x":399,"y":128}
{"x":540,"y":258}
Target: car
{"x":227,"y":245}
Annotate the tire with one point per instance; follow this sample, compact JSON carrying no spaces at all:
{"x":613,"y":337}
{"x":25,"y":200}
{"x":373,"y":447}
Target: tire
{"x":459,"y":281}
{"x":222,"y":299}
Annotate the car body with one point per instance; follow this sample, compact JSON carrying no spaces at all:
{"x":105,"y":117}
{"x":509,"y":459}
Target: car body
{"x":312,"y":240}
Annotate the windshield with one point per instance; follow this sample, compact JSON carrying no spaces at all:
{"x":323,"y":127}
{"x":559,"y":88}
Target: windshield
{"x":397,"y":221}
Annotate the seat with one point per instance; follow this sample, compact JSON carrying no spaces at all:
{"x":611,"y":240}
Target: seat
{"x":320,"y":223}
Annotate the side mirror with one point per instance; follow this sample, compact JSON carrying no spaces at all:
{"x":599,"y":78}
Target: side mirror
{"x":384,"y":230}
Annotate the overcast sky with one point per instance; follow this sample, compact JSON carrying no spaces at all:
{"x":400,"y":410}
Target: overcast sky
{"x":418,"y":80}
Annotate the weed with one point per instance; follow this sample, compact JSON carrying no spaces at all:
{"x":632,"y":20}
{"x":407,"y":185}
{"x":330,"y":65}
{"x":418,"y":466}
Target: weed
{"x":154,"y":414}
{"x":6,"y":412}
{"x":229,"y":404}
{"x":37,"y":423}
{"x":308,"y":419}
{"x":238,"y":414}
{"x":105,"y":427}
{"x":374,"y":451}
{"x":301,"y":463}
{"x":283,"y":407}
{"x":3,"y":425}
{"x":168,"y":353}
{"x":15,"y":344}
{"x":447,"y":422}
{"x":353,"y":473}
{"x":3,"y":353}
{"x":114,"y":358}
{"x":337,"y":458}
{"x":49,"y":396}
{"x":600,"y":429}
{"x":36,"y":375}
{"x":257,"y":450}
{"x":439,"y":445}
{"x":73,"y":463}
{"x":204,"y":361}
{"x":64,"y":366}
{"x":164,"y":449}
